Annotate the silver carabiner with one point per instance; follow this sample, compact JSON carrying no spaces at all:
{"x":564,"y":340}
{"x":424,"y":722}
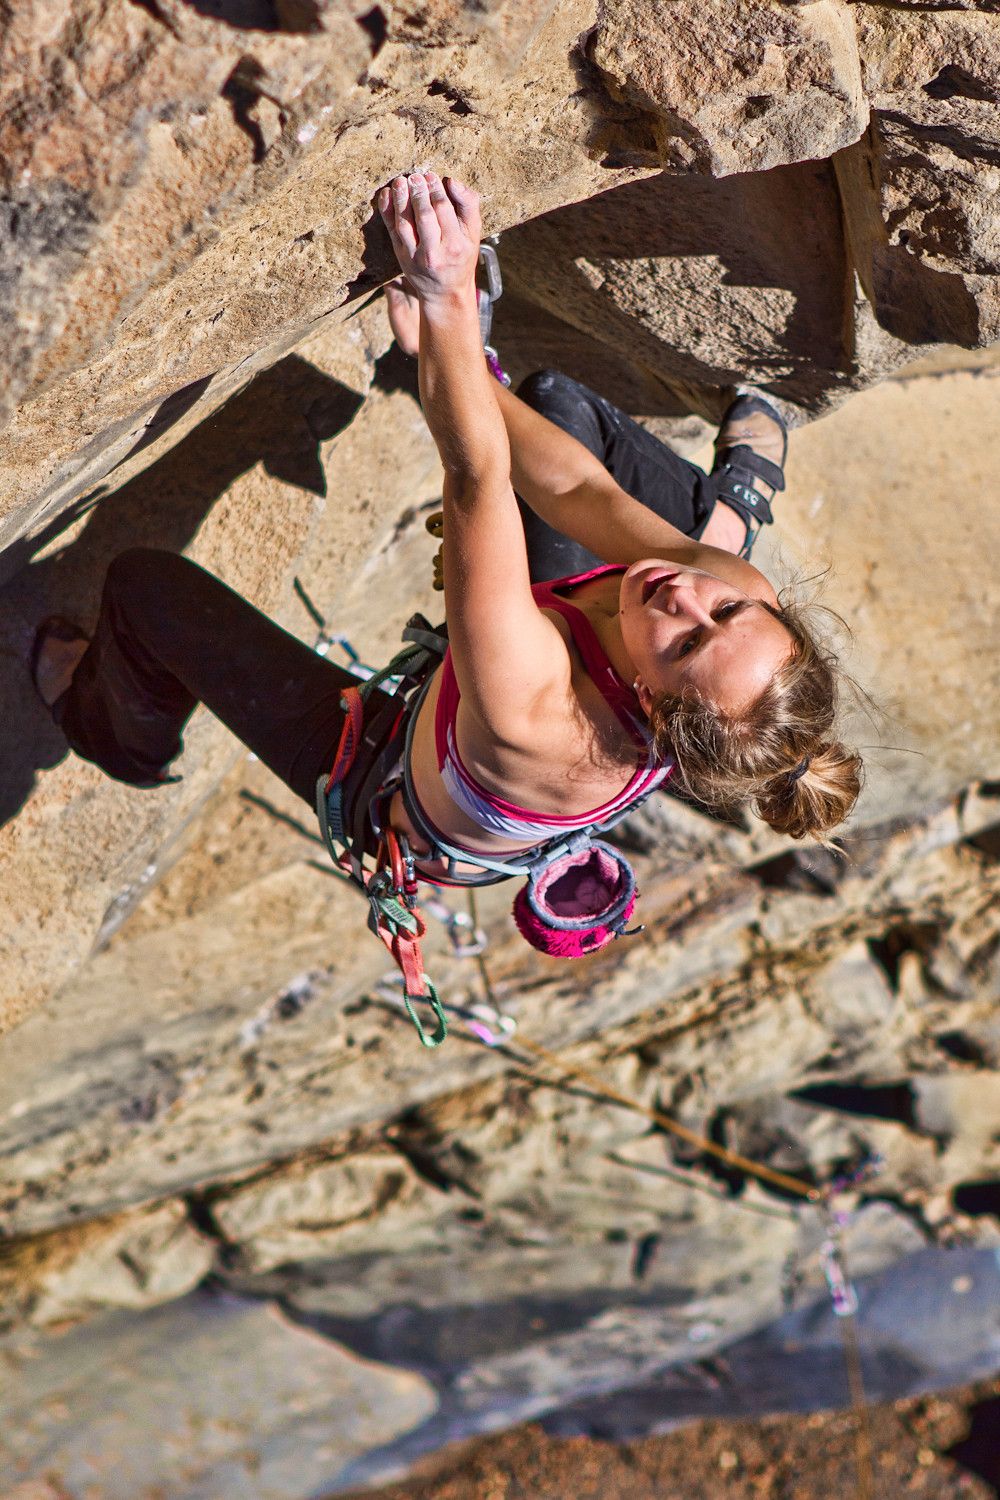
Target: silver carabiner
{"x":490,"y":263}
{"x":492,"y":292}
{"x":457,"y":923}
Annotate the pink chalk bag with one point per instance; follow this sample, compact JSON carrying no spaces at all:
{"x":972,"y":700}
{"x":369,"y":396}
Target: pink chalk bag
{"x":577,"y":901}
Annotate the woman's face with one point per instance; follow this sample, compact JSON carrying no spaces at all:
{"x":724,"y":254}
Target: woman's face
{"x":686,"y":628}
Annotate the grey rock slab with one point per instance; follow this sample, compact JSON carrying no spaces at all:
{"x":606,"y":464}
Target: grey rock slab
{"x":852,"y":994}
{"x":928,"y":1323}
{"x":212,"y":1396}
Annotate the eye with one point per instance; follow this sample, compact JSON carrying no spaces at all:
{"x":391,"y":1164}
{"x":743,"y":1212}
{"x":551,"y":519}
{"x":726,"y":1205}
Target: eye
{"x":727,"y":609}
{"x":689,"y":643}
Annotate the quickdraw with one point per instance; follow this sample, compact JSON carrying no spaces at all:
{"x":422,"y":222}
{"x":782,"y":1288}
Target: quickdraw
{"x":486,"y":297}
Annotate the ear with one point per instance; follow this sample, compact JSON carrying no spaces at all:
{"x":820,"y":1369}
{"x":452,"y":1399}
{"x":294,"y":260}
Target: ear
{"x":644,"y":696}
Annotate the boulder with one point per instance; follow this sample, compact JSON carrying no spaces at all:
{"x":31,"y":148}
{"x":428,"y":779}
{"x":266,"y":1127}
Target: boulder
{"x":131,"y":1260}
{"x":735,"y":87}
{"x":919,"y":190}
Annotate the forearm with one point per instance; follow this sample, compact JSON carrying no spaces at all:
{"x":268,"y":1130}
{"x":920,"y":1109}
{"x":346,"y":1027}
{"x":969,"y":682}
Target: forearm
{"x":573,"y":492}
{"x":546,"y":462}
{"x":459,"y":395}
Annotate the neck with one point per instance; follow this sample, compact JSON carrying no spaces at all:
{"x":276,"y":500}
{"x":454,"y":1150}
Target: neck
{"x":602,"y":609}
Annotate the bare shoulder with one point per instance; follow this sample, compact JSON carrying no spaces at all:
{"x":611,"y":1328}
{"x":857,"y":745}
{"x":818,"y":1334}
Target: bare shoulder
{"x":560,"y":751}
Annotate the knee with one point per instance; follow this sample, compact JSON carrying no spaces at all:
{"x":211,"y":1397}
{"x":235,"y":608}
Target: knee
{"x":139,"y":571}
{"x":544,"y":388}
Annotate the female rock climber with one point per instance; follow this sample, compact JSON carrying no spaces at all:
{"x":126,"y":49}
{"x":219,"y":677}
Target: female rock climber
{"x":639,"y":647}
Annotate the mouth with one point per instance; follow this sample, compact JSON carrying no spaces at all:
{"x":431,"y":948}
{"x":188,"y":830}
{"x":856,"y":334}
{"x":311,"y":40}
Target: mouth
{"x":655,"y":582}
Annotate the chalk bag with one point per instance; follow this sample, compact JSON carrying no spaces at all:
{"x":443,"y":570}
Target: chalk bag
{"x":577,"y":902}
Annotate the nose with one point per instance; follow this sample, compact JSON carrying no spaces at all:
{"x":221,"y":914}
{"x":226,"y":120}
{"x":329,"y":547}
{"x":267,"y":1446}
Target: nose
{"x":684,"y":600}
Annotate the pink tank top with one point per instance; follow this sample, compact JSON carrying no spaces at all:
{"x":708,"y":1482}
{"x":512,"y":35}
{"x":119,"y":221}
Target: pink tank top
{"x":496,"y":815}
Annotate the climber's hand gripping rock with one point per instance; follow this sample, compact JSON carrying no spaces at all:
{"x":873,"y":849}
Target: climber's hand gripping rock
{"x":435,"y":229}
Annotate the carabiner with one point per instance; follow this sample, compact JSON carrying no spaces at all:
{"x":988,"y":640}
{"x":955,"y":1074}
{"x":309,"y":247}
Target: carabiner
{"x":409,"y":885}
{"x":492,"y":292}
{"x":455,"y":924}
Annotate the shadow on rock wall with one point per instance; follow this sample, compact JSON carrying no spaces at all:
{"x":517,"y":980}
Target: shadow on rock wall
{"x":698,"y":280}
{"x":279,"y":420}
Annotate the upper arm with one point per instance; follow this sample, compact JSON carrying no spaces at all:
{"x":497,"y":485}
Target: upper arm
{"x":509,"y":657}
{"x":602,"y":516}
{"x":570,"y":488}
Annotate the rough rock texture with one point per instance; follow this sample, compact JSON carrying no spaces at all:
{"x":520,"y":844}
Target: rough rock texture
{"x":941,"y":1446}
{"x":213,"y":1395}
{"x":134,"y":1260}
{"x":735,"y":88}
{"x":919,"y":189}
{"x":186,"y":200}
{"x":223,"y":215}
{"x":210,"y":1070}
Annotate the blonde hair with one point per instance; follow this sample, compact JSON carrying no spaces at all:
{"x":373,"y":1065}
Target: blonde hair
{"x":776,"y":755}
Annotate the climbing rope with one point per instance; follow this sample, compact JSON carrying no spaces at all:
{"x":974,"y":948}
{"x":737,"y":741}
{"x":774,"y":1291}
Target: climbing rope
{"x":490,"y":1026}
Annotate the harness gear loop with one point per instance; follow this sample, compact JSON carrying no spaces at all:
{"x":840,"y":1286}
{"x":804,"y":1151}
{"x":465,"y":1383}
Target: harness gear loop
{"x":391,"y":888}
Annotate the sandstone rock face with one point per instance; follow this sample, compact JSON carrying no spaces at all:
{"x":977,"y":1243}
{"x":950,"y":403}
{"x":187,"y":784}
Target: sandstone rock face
{"x":133,"y":1260}
{"x":648,"y":291}
{"x":206,"y":1397}
{"x":919,"y":189}
{"x":224,"y":213}
{"x":736,"y":87}
{"x":210,"y":1070}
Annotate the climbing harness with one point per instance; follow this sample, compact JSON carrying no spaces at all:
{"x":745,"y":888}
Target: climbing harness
{"x":352,"y":805}
{"x":580,"y":892}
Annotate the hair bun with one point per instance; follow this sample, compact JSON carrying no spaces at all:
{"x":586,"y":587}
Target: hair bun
{"x":777,"y":753}
{"x":816,"y":795}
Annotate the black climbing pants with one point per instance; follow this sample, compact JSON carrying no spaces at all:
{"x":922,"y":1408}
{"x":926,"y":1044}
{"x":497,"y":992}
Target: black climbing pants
{"x":170,"y":635}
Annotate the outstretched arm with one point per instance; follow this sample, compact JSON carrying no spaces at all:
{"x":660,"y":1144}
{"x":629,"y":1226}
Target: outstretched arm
{"x":549,"y":443}
{"x":508,"y":656}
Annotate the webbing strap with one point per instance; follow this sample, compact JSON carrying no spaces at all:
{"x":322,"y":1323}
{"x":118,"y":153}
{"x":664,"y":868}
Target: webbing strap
{"x":441,"y":1024}
{"x":352,"y":702}
{"x":401,"y":930}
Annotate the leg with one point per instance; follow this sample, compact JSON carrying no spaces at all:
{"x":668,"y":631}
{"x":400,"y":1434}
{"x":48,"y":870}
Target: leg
{"x":646,"y":468}
{"x":170,"y":635}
